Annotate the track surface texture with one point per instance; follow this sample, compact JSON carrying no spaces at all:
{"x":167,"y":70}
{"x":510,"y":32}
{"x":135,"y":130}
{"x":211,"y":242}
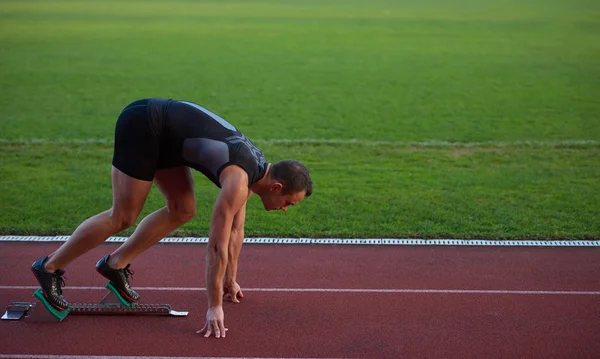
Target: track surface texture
{"x":321,"y":301}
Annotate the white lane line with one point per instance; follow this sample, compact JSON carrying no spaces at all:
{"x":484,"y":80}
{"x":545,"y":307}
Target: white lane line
{"x":341,"y":241}
{"x":31,"y":356}
{"x":343,"y":290}
{"x":339,"y":141}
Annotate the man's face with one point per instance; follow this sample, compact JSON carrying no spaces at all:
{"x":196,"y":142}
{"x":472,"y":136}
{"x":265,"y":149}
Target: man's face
{"x":276,"y":200}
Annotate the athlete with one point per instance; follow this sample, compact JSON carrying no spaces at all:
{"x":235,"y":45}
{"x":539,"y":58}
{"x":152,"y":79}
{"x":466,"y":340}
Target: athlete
{"x":159,"y":140}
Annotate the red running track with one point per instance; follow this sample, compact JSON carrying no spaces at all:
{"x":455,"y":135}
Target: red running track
{"x":405,"y":323}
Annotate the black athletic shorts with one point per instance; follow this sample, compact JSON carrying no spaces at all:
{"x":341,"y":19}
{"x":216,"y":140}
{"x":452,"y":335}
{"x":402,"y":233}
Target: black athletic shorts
{"x":140,"y":147}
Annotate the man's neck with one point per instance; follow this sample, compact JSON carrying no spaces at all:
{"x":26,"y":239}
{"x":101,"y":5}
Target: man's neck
{"x":261,"y":186}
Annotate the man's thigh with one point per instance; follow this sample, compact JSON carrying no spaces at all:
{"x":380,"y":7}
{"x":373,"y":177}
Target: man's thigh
{"x":176,"y":183}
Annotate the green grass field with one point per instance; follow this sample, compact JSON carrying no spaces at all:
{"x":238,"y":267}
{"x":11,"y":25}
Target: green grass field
{"x":461,"y":119}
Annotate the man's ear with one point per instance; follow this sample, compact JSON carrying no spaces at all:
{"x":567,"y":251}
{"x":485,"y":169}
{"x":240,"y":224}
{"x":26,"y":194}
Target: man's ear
{"x":276,"y":187}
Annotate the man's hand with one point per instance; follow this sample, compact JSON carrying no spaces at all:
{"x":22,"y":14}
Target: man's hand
{"x":232,"y":292}
{"x":214,"y":323}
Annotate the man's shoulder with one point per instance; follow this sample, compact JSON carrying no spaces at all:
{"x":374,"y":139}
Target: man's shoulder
{"x":233,"y":175}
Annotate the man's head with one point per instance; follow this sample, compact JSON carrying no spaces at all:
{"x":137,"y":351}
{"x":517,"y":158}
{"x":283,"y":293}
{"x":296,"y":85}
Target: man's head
{"x":288,"y":183}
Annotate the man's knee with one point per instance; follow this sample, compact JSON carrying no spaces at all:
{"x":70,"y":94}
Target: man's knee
{"x":123,"y":219}
{"x":183,"y":210}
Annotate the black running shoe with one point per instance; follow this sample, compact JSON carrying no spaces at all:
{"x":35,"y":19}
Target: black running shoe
{"x":51,"y":284}
{"x":119,"y":279}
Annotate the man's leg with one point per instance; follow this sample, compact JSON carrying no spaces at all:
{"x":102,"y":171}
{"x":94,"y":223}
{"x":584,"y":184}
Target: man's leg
{"x":129,"y":196}
{"x":177,"y":186}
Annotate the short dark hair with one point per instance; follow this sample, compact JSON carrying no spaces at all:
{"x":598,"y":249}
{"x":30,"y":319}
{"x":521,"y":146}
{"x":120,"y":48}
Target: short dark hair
{"x":293,"y":175}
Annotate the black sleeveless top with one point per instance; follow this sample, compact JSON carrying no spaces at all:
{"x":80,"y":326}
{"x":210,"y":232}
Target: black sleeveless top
{"x":193,"y":136}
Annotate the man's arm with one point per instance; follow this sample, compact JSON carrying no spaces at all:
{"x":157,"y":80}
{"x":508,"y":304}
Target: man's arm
{"x":236,"y":240}
{"x":233,"y":194}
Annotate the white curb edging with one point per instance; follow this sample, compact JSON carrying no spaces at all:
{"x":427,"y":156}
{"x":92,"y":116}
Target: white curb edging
{"x":341,"y":241}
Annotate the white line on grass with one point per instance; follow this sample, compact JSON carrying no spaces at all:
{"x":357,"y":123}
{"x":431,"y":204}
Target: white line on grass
{"x":342,"y":142}
{"x":340,"y":241}
{"x":344,"y":290}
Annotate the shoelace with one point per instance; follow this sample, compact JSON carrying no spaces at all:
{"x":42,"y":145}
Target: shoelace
{"x":128,"y":272}
{"x":60,"y":281}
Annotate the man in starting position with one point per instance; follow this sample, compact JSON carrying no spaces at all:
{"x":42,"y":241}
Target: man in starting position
{"x":159,"y":140}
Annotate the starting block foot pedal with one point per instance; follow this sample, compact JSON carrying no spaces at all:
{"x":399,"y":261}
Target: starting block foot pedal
{"x":38,"y":314}
{"x":114,"y":297}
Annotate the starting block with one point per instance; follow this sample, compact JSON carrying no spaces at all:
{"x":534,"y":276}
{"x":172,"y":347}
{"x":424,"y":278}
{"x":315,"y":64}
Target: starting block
{"x":111,"y":304}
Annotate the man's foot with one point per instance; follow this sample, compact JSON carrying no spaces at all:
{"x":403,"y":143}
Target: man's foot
{"x":119,"y":279}
{"x":51,"y":284}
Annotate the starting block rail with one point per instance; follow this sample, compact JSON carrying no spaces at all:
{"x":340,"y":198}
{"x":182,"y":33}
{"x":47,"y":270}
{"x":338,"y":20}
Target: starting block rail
{"x":119,"y":309}
{"x":111,"y":304}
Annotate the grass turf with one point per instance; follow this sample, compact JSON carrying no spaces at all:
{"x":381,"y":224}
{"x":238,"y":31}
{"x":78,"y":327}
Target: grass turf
{"x":362,"y":191}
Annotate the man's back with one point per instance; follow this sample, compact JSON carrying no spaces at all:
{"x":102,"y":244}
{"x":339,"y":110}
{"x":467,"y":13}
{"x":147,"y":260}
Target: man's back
{"x":196,"y":137}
